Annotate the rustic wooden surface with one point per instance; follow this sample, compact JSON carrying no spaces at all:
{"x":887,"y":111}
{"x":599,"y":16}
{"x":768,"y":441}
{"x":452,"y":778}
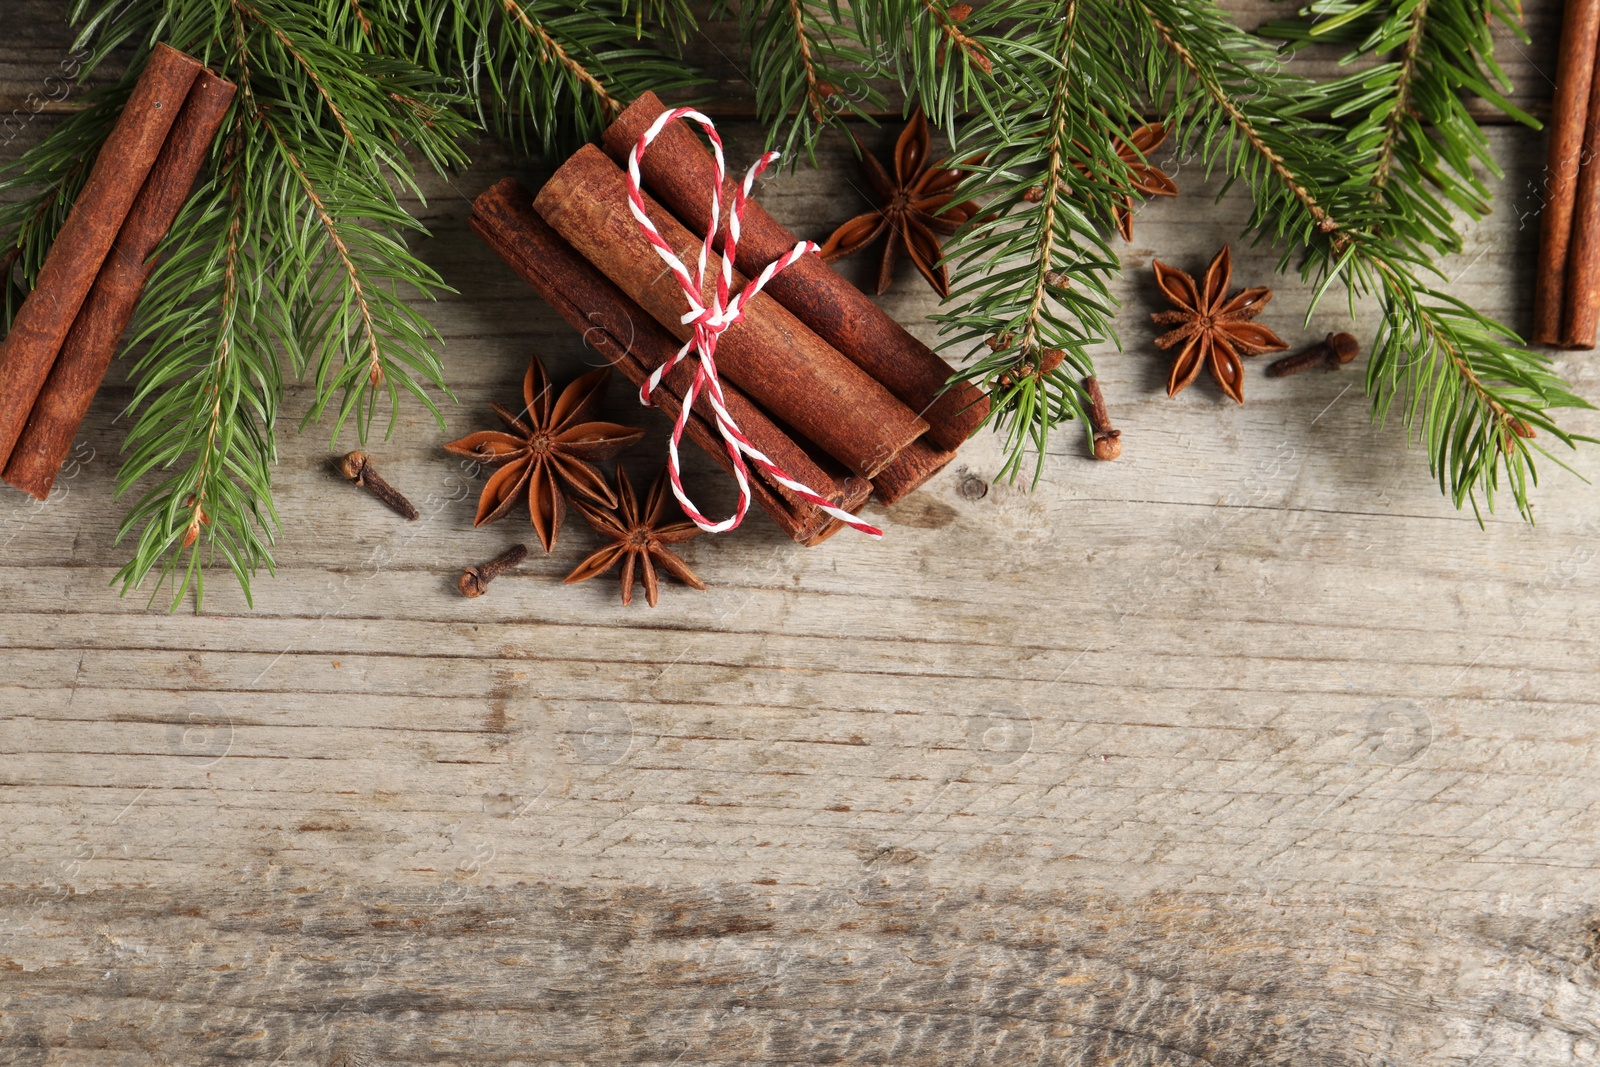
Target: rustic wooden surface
{"x":1244,"y":750}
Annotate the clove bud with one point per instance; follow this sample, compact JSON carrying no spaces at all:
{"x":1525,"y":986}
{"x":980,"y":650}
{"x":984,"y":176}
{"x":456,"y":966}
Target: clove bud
{"x":1107,"y":441}
{"x":356,"y":467}
{"x":1330,"y":354}
{"x":474,"y":581}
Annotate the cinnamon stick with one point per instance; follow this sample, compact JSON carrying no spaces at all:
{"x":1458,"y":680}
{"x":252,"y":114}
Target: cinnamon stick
{"x":636,"y":345}
{"x":911,"y":470}
{"x":771,"y":355}
{"x":92,"y":341}
{"x":680,"y":171}
{"x":85,"y":238}
{"x":1581,"y":310}
{"x":1572,"y":125}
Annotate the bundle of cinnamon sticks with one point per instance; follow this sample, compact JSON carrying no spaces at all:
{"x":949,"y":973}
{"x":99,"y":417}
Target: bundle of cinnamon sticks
{"x":1567,"y":286}
{"x":67,"y":330}
{"x":817,"y":376}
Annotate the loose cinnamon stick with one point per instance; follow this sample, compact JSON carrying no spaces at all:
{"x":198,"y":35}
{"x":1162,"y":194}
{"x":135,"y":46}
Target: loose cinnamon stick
{"x":680,"y":171}
{"x":87,"y":351}
{"x":1572,"y":124}
{"x":85,"y":238}
{"x":771,"y":355}
{"x":636,"y":345}
{"x":1581,"y":312}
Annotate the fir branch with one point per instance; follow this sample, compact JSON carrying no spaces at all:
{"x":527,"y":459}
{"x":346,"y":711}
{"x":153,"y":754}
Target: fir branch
{"x":1468,"y":389}
{"x":1039,"y":260}
{"x":358,"y":336}
{"x":340,"y":251}
{"x":948,"y":21}
{"x":1233,"y":108}
{"x":1052,"y":189}
{"x":362,"y":19}
{"x":1366,"y":197}
{"x":208,"y":387}
{"x":551,"y":50}
{"x":544,"y":75}
{"x":943,"y":54}
{"x":815,"y":94}
{"x":813,"y":63}
{"x":675,"y":17}
{"x":312,"y":262}
{"x":301,"y":183}
{"x":1405,"y":114}
{"x":1400,"y":104}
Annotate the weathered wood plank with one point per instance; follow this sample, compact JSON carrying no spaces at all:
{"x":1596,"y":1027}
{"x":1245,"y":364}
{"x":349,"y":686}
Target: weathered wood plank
{"x":861,"y":971}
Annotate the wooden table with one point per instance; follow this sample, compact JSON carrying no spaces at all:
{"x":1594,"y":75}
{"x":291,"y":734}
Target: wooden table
{"x":1247,"y":749}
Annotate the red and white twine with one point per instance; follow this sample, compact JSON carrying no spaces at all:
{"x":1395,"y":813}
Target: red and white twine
{"x":709,"y":322}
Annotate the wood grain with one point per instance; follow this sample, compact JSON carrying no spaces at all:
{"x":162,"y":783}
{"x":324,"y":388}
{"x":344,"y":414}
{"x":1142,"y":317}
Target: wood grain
{"x":1243,"y":750}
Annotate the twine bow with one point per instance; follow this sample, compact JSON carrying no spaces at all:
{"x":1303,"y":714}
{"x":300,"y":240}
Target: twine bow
{"x":709,"y":322}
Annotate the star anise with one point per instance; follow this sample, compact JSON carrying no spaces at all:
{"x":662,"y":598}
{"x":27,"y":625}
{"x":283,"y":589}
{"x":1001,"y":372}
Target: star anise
{"x":914,"y":211}
{"x":1214,"y":328}
{"x":551,"y":451}
{"x":1145,"y":177}
{"x":638,"y":539}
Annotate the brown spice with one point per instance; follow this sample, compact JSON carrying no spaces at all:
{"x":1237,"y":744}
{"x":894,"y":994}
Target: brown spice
{"x":680,"y":172}
{"x":913,"y":468}
{"x":474,"y":581}
{"x":1145,"y":177}
{"x":553,"y":446}
{"x":915,"y":208}
{"x":1214,"y":328}
{"x":1580,"y":319}
{"x":639,"y":540}
{"x":775,"y":358}
{"x":1107,"y":440}
{"x":357,"y":468}
{"x":1570,"y":122}
{"x":84,"y":240}
{"x":88,"y":348}
{"x":1330,"y":354}
{"x":636,"y":345}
